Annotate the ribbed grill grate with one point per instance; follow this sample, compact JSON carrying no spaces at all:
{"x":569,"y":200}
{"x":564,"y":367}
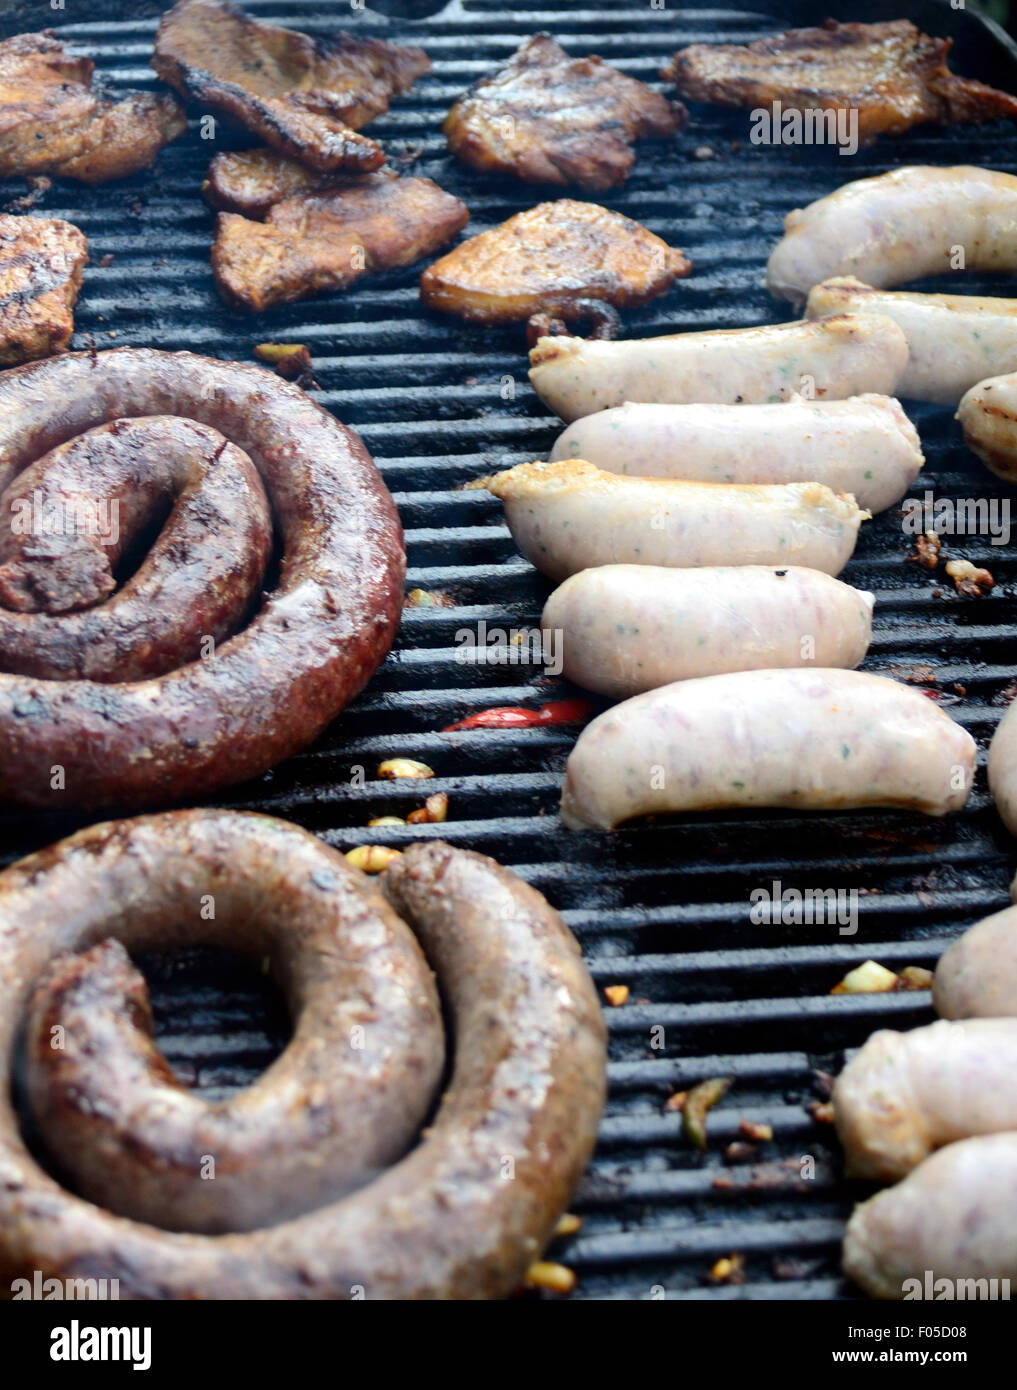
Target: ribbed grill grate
{"x":661,"y":908}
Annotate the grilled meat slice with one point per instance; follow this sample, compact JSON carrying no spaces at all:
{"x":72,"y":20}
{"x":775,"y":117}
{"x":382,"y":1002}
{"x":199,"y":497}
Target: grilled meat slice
{"x":548,"y":259}
{"x":41,"y":261}
{"x":549,"y":118}
{"x":252,"y":181}
{"x":307,"y":97}
{"x":51,"y":122}
{"x":326,"y":240}
{"x":893,"y":74}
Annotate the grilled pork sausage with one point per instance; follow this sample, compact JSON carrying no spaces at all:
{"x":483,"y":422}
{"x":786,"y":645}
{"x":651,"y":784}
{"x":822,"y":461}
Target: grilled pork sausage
{"x":977,"y":976}
{"x":468,"y":1209}
{"x":571,"y":516}
{"x":912,"y":222}
{"x":905,"y":1094}
{"x":805,"y":740}
{"x":98,"y":492}
{"x":988,"y":417}
{"x":954,"y":340}
{"x":953,"y":1218}
{"x":346,"y":1097}
{"x":866,"y":445}
{"x":270,"y":689}
{"x":834,"y":358}
{"x":630,"y":628}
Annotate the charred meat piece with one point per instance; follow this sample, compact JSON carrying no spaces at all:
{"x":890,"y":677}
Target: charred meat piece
{"x":51,"y":122}
{"x":41,"y":261}
{"x":549,"y":259}
{"x":549,"y":118}
{"x":893,"y":74}
{"x":252,"y":181}
{"x":319,"y":241}
{"x":307,"y":97}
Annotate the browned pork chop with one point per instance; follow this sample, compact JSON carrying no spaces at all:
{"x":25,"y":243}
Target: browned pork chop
{"x":41,"y":261}
{"x":549,"y":118}
{"x":318,"y":241}
{"x":547,"y":259}
{"x":307,"y":97}
{"x":51,"y":122}
{"x":252,"y":181}
{"x":892,"y":74}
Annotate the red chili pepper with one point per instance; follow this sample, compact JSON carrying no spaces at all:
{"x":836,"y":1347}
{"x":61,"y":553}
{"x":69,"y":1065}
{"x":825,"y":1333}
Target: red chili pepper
{"x":515,"y":717}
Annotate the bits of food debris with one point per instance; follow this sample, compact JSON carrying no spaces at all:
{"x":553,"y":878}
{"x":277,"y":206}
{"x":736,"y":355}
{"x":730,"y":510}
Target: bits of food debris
{"x":403,"y":767}
{"x":107,"y":260}
{"x":433,"y":811}
{"x":291,"y":360}
{"x":868,"y":978}
{"x":821,"y":1111}
{"x":545,"y":1274}
{"x":616,"y":995}
{"x":729,"y":1270}
{"x":926,"y":551}
{"x":740,"y":1152}
{"x":426,"y":598}
{"x":385,"y":820}
{"x":704,"y":152}
{"x":752,"y":1129}
{"x":676,"y":1103}
{"x":568,"y":1224}
{"x":914,"y":977}
{"x":700,"y":1100}
{"x":372,"y":859}
{"x":968,"y":579}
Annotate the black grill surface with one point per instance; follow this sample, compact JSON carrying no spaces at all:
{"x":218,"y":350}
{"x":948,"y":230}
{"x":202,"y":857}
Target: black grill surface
{"x":660,"y":907}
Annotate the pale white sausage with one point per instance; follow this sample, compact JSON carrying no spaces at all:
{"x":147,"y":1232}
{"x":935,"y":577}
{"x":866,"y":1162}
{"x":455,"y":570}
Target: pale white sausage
{"x":988,"y":417}
{"x":629,"y":628}
{"x":571,"y":516}
{"x":917,"y":221}
{"x":808,"y":740}
{"x":977,"y":976}
{"x":953,"y":1217}
{"x":905,"y":1094}
{"x":954,"y":340}
{"x":865,"y":445}
{"x":829,"y":359}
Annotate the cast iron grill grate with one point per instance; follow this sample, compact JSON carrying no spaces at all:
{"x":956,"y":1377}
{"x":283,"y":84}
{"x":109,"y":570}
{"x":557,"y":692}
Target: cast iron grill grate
{"x":662,"y":908}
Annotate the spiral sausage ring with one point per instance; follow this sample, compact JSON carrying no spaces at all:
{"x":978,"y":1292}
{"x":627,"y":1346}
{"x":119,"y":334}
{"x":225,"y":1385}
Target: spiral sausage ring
{"x":156,"y":691}
{"x":297,"y":1155}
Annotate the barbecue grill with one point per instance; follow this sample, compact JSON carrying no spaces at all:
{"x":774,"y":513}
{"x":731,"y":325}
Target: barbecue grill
{"x":662,"y":907}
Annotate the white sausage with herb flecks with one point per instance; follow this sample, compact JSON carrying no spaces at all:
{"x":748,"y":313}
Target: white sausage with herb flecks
{"x":866,"y":445}
{"x":801,"y":739}
{"x":830,"y":359}
{"x":954,"y":340}
{"x":916,"y":221}
{"x":977,"y":976}
{"x":571,"y":516}
{"x":629,"y":628}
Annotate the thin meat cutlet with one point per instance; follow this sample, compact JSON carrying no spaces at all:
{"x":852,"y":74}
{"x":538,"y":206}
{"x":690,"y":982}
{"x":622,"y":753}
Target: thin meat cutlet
{"x":892,"y":74}
{"x":549,"y":258}
{"x":41,"y":262}
{"x":549,"y":118}
{"x":51,"y":122}
{"x":252,"y":181}
{"x":326,"y":240}
{"x":307,"y":97}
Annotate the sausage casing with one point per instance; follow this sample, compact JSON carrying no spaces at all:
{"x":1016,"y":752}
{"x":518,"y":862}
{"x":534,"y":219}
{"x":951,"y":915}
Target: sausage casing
{"x":988,"y":417}
{"x":799,"y":739}
{"x":977,"y":975}
{"x":834,"y":358}
{"x":866,"y":445}
{"x":954,"y":340}
{"x":629,"y":628}
{"x":900,"y":226}
{"x":571,"y":516}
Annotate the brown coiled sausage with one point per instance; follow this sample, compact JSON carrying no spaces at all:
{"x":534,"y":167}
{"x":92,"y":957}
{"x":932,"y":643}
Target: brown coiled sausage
{"x":270,"y":689}
{"x":468,"y":1209}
